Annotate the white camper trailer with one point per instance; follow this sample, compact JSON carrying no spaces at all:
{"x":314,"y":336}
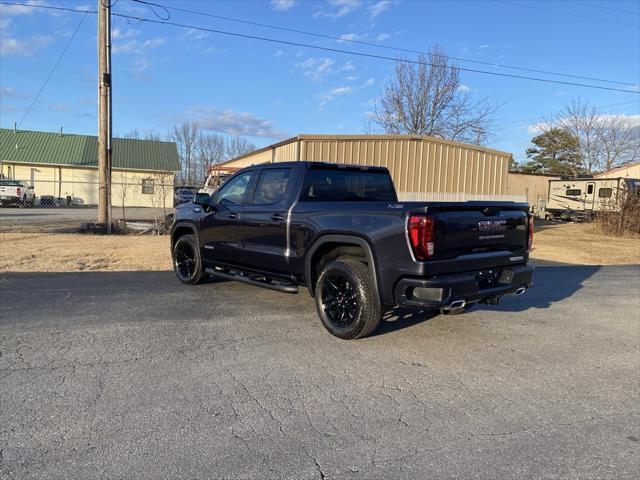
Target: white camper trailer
{"x":578,"y":198}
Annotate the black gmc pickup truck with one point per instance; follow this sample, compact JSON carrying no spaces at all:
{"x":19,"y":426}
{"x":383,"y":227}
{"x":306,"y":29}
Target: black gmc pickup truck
{"x":340,"y":231}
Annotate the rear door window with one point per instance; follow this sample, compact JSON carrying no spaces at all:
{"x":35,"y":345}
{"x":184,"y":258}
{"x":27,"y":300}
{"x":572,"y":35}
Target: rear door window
{"x":337,"y":185}
{"x":272,"y":186}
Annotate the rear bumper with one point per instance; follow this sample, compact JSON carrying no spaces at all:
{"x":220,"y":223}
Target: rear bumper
{"x":440,"y":291}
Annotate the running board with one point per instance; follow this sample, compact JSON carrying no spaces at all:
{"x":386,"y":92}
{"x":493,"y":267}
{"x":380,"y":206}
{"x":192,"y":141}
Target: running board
{"x":285,"y":288}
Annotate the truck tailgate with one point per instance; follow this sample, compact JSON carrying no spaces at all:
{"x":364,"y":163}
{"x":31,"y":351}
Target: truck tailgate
{"x":469,"y":228}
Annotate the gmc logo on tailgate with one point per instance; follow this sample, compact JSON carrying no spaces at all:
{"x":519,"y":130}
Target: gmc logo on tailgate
{"x":492,"y":225}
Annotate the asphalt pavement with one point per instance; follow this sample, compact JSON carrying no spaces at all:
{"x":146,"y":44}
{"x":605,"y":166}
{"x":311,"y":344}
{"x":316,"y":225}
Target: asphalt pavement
{"x":132,"y":375}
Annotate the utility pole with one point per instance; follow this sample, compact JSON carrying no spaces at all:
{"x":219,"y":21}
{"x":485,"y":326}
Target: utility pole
{"x":104,"y":114}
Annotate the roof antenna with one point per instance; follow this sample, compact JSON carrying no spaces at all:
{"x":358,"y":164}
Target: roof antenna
{"x":60,"y":131}
{"x":15,"y":127}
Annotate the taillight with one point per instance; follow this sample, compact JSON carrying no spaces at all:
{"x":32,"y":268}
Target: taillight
{"x":18,"y":191}
{"x":421,"y":230}
{"x":530,"y":242}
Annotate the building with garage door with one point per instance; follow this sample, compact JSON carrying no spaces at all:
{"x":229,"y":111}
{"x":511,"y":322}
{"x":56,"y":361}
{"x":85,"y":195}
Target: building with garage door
{"x":63,"y":168}
{"x":422,"y":167}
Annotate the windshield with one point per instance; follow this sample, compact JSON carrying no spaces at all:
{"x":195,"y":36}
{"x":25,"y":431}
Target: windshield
{"x":11,"y":183}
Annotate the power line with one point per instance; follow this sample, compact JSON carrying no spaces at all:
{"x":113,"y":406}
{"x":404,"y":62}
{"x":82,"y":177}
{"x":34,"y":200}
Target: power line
{"x":586,"y":4}
{"x":568,"y":14}
{"x":64,"y":50}
{"x":539,"y":117}
{"x":373,"y":44}
{"x":362,"y":54}
{"x":333,"y":50}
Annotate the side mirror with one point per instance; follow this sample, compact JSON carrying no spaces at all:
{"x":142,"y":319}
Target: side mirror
{"x":202,"y":199}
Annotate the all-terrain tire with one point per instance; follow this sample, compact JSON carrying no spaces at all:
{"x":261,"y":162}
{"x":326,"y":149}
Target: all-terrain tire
{"x":356,"y":293}
{"x":189,"y":271}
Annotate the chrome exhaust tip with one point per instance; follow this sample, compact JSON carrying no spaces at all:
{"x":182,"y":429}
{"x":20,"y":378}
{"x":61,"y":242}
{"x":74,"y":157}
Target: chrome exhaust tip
{"x":456,"y":305}
{"x":520,"y":291}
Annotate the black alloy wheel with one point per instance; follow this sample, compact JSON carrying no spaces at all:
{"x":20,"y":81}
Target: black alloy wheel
{"x":187,"y":262}
{"x":339,"y":301}
{"x":347,"y":300}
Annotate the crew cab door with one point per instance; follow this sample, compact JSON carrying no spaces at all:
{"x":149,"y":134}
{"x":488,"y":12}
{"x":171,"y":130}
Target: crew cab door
{"x":219,"y":228}
{"x":262,"y":226}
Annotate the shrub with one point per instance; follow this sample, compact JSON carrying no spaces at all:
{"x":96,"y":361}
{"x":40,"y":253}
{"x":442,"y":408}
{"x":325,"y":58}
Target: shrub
{"x":622,"y":217}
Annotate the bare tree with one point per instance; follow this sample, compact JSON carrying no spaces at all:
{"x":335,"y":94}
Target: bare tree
{"x":618,"y":142}
{"x":238,"y":146}
{"x":211,"y":149}
{"x":136,"y":135}
{"x":427,"y":98}
{"x":606,"y":140}
{"x":185,"y":136}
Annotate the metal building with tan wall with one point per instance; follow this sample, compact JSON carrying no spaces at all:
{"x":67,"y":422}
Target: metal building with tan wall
{"x":535,"y":186}
{"x":630,"y":170}
{"x":420,"y":165}
{"x":63,"y":168}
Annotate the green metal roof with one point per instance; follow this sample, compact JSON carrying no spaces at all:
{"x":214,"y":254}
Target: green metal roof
{"x":26,"y":146}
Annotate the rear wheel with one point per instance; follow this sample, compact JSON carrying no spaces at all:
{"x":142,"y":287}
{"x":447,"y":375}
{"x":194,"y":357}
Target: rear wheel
{"x":187,"y":262}
{"x":347,"y":302}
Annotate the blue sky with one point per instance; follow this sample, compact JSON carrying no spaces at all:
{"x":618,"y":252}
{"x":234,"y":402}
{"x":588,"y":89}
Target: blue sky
{"x":165,"y":75}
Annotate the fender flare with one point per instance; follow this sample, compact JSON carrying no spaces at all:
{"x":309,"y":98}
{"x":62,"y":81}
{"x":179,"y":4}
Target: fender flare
{"x":346,"y":239}
{"x":183,"y":224}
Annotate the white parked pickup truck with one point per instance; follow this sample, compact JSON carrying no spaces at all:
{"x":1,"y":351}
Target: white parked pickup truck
{"x":16,"y":192}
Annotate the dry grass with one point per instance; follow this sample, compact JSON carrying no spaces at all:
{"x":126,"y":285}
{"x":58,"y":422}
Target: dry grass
{"x":584,"y":244}
{"x":45,"y":252}
{"x":59,"y":252}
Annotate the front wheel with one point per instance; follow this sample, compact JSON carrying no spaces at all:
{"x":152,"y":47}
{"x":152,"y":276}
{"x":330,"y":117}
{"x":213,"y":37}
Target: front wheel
{"x":346,"y":299}
{"x":187,"y":262}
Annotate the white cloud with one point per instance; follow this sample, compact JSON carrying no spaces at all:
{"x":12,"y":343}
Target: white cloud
{"x":279,"y":53}
{"x":234,"y":123}
{"x":119,"y":34}
{"x":369,"y":83}
{"x":8,"y":92}
{"x":349,"y":36}
{"x":316,"y":68}
{"x":137,"y":46}
{"x":351,"y":78}
{"x":330,"y":95}
{"x":348,"y":66}
{"x":283,"y":5}
{"x":483,"y":46}
{"x":464,"y":88}
{"x":629,"y":121}
{"x":379,"y":7}
{"x":26,"y":47}
{"x":382,"y":37}
{"x":60,"y":107}
{"x":194,"y":34}
{"x":338,"y":9}
{"x":26,"y":9}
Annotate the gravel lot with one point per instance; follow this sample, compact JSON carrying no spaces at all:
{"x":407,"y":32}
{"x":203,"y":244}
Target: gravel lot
{"x":131,"y":375}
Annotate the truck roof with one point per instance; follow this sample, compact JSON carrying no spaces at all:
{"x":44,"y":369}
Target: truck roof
{"x":309,"y":164}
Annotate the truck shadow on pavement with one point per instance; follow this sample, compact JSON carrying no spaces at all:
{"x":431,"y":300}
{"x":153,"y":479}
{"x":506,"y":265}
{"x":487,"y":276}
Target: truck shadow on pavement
{"x":551,"y":284}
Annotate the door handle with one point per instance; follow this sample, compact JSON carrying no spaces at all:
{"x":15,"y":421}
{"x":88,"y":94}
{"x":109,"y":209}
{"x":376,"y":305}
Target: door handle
{"x":233,"y":216}
{"x":276,"y":217}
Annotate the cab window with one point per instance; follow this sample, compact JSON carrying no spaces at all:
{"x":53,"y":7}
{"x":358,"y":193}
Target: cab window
{"x":237,"y":190}
{"x":573,"y":192}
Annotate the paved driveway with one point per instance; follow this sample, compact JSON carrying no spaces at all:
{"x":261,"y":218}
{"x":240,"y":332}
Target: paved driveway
{"x":131,"y":375}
